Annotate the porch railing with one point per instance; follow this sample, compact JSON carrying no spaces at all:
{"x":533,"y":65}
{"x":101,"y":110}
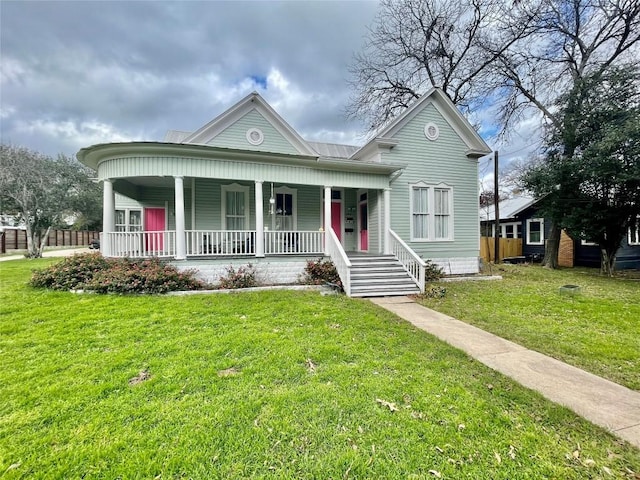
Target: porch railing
{"x":410,"y":260}
{"x":140,"y":244}
{"x":340,"y":260}
{"x":220,"y":242}
{"x":293,"y":242}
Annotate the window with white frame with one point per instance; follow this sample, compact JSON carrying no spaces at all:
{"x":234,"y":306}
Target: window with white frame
{"x":285,"y":209}
{"x":634,"y":234}
{"x":535,"y":231}
{"x":235,"y":207}
{"x":431,"y":212}
{"x":128,"y":220}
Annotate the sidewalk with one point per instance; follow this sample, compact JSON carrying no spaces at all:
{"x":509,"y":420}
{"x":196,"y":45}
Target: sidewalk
{"x":607,"y":404}
{"x":67,"y":252}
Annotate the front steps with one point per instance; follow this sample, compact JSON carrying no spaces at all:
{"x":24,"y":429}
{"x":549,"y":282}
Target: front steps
{"x":379,"y":276}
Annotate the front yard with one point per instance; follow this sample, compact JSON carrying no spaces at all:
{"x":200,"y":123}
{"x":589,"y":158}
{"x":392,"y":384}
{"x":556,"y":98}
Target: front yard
{"x":597,"y":330}
{"x":287,"y":385}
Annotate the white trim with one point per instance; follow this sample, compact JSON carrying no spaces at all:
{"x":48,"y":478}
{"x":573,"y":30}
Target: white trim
{"x":234,"y":187}
{"x":259,"y":138}
{"x":529,"y":222}
{"x":431,"y":131}
{"x":430,"y":213}
{"x":362,"y":191}
{"x":587,"y":243}
{"x":127,"y":219}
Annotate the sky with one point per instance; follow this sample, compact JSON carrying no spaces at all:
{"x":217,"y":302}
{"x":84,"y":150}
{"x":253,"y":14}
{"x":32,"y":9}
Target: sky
{"x":73,"y":74}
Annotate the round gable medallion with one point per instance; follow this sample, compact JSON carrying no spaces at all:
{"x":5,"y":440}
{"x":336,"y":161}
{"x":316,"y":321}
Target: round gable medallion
{"x":255,"y":136}
{"x":431,"y":131}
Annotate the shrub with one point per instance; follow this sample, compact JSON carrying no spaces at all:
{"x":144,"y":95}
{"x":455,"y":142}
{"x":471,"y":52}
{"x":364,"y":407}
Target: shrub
{"x":318,"y":272}
{"x":71,"y":273}
{"x":243,"y":277}
{"x":109,"y":275}
{"x":432,"y":272}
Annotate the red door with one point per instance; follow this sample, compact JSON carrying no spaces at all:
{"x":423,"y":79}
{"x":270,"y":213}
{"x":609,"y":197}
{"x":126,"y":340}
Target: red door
{"x":336,"y":219}
{"x":154,"y":222}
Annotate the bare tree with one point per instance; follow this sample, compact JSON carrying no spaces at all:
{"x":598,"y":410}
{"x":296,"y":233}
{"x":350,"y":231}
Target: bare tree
{"x":415,"y":45}
{"x":519,"y":57}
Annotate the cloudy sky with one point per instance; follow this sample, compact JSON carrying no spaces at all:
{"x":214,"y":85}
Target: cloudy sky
{"x":78,"y":73}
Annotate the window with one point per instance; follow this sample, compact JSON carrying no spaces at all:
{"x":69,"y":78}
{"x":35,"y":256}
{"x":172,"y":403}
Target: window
{"x":235,"y":207}
{"x":535,"y":231}
{"x":511,"y":230}
{"x":634,"y":234}
{"x":285,"y":213}
{"x":431,"y":212}
{"x":128,"y":220}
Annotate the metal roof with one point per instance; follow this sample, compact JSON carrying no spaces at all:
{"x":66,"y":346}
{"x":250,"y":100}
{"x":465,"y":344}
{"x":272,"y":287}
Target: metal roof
{"x":334,"y":150}
{"x":175,"y":136}
{"x":509,"y":208}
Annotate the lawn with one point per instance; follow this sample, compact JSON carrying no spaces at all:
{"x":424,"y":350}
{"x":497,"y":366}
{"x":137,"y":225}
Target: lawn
{"x":597,"y":330}
{"x":288,"y":385}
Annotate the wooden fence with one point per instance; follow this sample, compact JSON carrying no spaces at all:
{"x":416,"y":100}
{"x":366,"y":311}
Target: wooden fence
{"x":16,"y":239}
{"x":509,"y":247}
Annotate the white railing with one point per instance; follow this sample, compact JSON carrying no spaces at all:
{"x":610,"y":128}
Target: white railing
{"x":340,"y":260}
{"x":293,"y":242}
{"x":140,"y":244}
{"x":409,"y":259}
{"x":220,"y":242}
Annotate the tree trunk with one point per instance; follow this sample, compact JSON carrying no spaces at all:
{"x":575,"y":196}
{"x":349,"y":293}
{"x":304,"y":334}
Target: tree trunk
{"x":607,"y":262}
{"x":552,"y":247}
{"x":32,"y":250}
{"x":43,"y":242}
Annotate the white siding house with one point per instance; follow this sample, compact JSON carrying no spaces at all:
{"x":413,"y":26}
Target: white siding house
{"x":247,"y":188}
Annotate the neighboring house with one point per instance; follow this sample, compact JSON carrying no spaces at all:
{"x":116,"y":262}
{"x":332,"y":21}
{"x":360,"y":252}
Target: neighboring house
{"x":520,"y":218}
{"x":247,"y":188}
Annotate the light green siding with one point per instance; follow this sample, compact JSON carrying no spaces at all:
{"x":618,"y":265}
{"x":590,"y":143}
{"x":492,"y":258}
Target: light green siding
{"x":235,"y":170}
{"x":235,"y":136}
{"x":441,"y":161}
{"x":375,"y":220}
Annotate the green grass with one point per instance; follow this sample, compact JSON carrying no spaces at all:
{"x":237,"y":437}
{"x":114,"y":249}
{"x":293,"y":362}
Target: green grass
{"x":597,"y":330}
{"x":264,"y":385}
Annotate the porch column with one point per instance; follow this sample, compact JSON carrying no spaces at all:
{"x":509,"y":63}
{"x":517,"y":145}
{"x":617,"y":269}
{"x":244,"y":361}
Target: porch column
{"x":181,"y":246}
{"x":386,"y":224}
{"x":327,"y":218}
{"x":108,"y":215}
{"x":259,"y":220}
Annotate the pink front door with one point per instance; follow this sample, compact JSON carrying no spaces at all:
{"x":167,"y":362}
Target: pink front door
{"x":154,"y":221}
{"x":336,"y":219}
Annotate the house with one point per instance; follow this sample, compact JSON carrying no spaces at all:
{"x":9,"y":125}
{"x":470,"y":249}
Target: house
{"x":520,"y":217}
{"x":247,"y":188}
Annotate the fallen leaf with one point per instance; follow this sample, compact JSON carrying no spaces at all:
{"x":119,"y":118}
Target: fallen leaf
{"x":607,"y":470}
{"x":435,"y":473}
{"x":141,"y":377}
{"x":13,"y":466}
{"x":512,"y":452}
{"x":310,"y":365}
{"x":589,"y":462}
{"x":576,"y":454}
{"x":439,"y":450}
{"x":389,"y":405}
{"x":498,"y":457}
{"x":462,"y":426}
{"x":228,"y":372}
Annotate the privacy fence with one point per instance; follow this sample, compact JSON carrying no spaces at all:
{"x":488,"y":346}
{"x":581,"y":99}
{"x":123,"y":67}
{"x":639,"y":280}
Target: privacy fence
{"x":16,"y":239}
{"x":509,"y":247}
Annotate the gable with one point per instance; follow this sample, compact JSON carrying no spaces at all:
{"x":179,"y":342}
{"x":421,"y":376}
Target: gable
{"x":237,"y":135}
{"x":251,"y":124}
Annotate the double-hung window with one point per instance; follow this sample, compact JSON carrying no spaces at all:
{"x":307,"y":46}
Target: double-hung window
{"x":431,"y":212}
{"x":128,"y":220}
{"x":235,"y":207}
{"x":535,"y":231}
{"x":285,"y":209}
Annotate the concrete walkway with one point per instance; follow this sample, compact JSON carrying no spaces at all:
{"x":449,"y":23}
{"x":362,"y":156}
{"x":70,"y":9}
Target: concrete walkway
{"x":600,"y":401}
{"x":67,"y":252}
